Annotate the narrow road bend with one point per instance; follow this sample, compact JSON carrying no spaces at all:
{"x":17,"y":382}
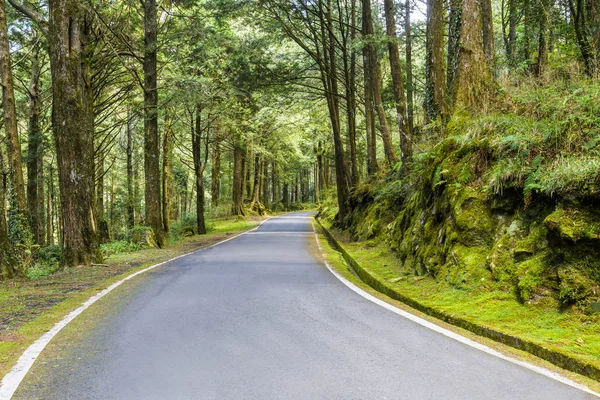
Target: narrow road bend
{"x":260,"y":317}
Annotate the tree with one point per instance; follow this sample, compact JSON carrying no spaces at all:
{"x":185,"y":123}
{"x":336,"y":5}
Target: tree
{"x":374,"y":84}
{"x":399,"y":97}
{"x":10,"y":120}
{"x":472,"y":84}
{"x":435,"y":92}
{"x":151,"y":150}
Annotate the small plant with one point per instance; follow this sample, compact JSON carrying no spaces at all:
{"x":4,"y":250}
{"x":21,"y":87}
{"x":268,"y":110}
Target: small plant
{"x":119,"y":247}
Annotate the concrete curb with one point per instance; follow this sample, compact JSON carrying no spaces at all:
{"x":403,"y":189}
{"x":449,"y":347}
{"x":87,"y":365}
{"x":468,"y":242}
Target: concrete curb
{"x":553,"y":356}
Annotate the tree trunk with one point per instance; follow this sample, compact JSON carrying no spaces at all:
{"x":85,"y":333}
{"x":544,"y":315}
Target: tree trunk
{"x":35,"y":155}
{"x":50,"y":208}
{"x":7,"y":270}
{"x":473,"y":84}
{"x":371,"y":139}
{"x":103,"y":230}
{"x":487,"y":27}
{"x":151,"y":149}
{"x":72,"y":120}
{"x":216,"y":172}
{"x":375,"y":85}
{"x":15,"y":167}
{"x":265,"y":184}
{"x":435,"y":24}
{"x":400,"y":99}
{"x":436,"y":90}
{"x":286,"y":195}
{"x":238,"y":177}
{"x":130,"y":172}
{"x":510,"y":37}
{"x":316,"y":179}
{"x":409,"y":69}
{"x":166,"y":172}
{"x":578,"y":18}
{"x":199,"y":167}
{"x":542,"y":56}
{"x":349,"y":58}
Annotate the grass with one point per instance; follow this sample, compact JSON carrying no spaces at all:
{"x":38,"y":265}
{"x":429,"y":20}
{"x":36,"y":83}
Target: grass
{"x":569,"y":331}
{"x":30,"y":307}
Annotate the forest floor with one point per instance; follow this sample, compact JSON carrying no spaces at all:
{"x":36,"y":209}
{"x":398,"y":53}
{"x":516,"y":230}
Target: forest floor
{"x":569,"y":332}
{"x":30,"y":307}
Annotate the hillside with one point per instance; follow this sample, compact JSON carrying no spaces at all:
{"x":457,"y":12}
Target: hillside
{"x":506,"y":201}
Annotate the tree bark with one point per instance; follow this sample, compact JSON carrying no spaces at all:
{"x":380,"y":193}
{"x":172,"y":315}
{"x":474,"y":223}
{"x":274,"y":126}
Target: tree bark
{"x":399,"y":97}
{"x":199,"y":167}
{"x":436,"y":90}
{"x":216,"y":170}
{"x":409,"y":68}
{"x":375,"y":84}
{"x":130,"y":172}
{"x":435,"y":23}
{"x":151,"y":148}
{"x":15,"y":167}
{"x":166,"y":172}
{"x":473,"y":83}
{"x":72,"y":120}
{"x":542,"y":56}
{"x":35,"y":155}
{"x":7,"y":269}
{"x":487,"y":27}
{"x":238,"y":176}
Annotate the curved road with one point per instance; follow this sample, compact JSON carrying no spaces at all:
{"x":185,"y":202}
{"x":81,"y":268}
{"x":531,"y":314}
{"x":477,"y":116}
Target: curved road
{"x":259,"y":317}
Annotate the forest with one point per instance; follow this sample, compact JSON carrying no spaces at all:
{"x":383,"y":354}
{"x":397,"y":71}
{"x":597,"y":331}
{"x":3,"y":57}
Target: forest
{"x":461,"y":134}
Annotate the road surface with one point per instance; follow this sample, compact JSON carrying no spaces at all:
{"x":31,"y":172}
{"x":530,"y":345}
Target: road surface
{"x":260,"y":317}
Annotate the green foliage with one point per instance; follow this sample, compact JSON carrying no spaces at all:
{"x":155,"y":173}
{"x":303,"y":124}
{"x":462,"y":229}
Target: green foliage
{"x":119,"y":247}
{"x":46,"y":261}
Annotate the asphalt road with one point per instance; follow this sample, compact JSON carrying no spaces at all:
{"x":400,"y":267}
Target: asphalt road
{"x":260,"y":317}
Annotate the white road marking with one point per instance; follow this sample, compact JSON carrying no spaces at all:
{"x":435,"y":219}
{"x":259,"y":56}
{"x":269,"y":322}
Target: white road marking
{"x":446,"y":332}
{"x":13,"y":379}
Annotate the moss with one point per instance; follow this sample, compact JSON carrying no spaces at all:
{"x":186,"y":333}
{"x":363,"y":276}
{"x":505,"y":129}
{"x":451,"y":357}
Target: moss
{"x":530,"y":276}
{"x":574,"y":224}
{"x":466,"y":267}
{"x":534,"y":242}
{"x":472,"y":216}
{"x":574,"y":286}
{"x":500,"y":261}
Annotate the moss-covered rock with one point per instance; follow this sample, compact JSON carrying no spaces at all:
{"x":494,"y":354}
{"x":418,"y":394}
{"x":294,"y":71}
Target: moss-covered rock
{"x":574,"y":225}
{"x":500,"y":261}
{"x":531,"y":275}
{"x":472,"y":216}
{"x":574,"y":286}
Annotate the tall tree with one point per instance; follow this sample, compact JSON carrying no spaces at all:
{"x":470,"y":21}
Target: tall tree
{"x":435,"y":91}
{"x":409,"y":66}
{"x":151,"y":141}
{"x":35,"y":152}
{"x":72,"y":119}
{"x":10,"y":117}
{"x":473,"y":84}
{"x":399,"y":97}
{"x":375,"y":83}
{"x":200,"y":161}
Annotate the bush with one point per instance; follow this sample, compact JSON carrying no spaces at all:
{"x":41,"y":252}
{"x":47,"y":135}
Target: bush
{"x":46,"y":261}
{"x":185,"y":227}
{"x":119,"y":247}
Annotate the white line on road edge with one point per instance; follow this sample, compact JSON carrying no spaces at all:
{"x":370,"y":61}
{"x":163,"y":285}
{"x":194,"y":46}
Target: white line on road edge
{"x":12,"y":380}
{"x":446,"y":332}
